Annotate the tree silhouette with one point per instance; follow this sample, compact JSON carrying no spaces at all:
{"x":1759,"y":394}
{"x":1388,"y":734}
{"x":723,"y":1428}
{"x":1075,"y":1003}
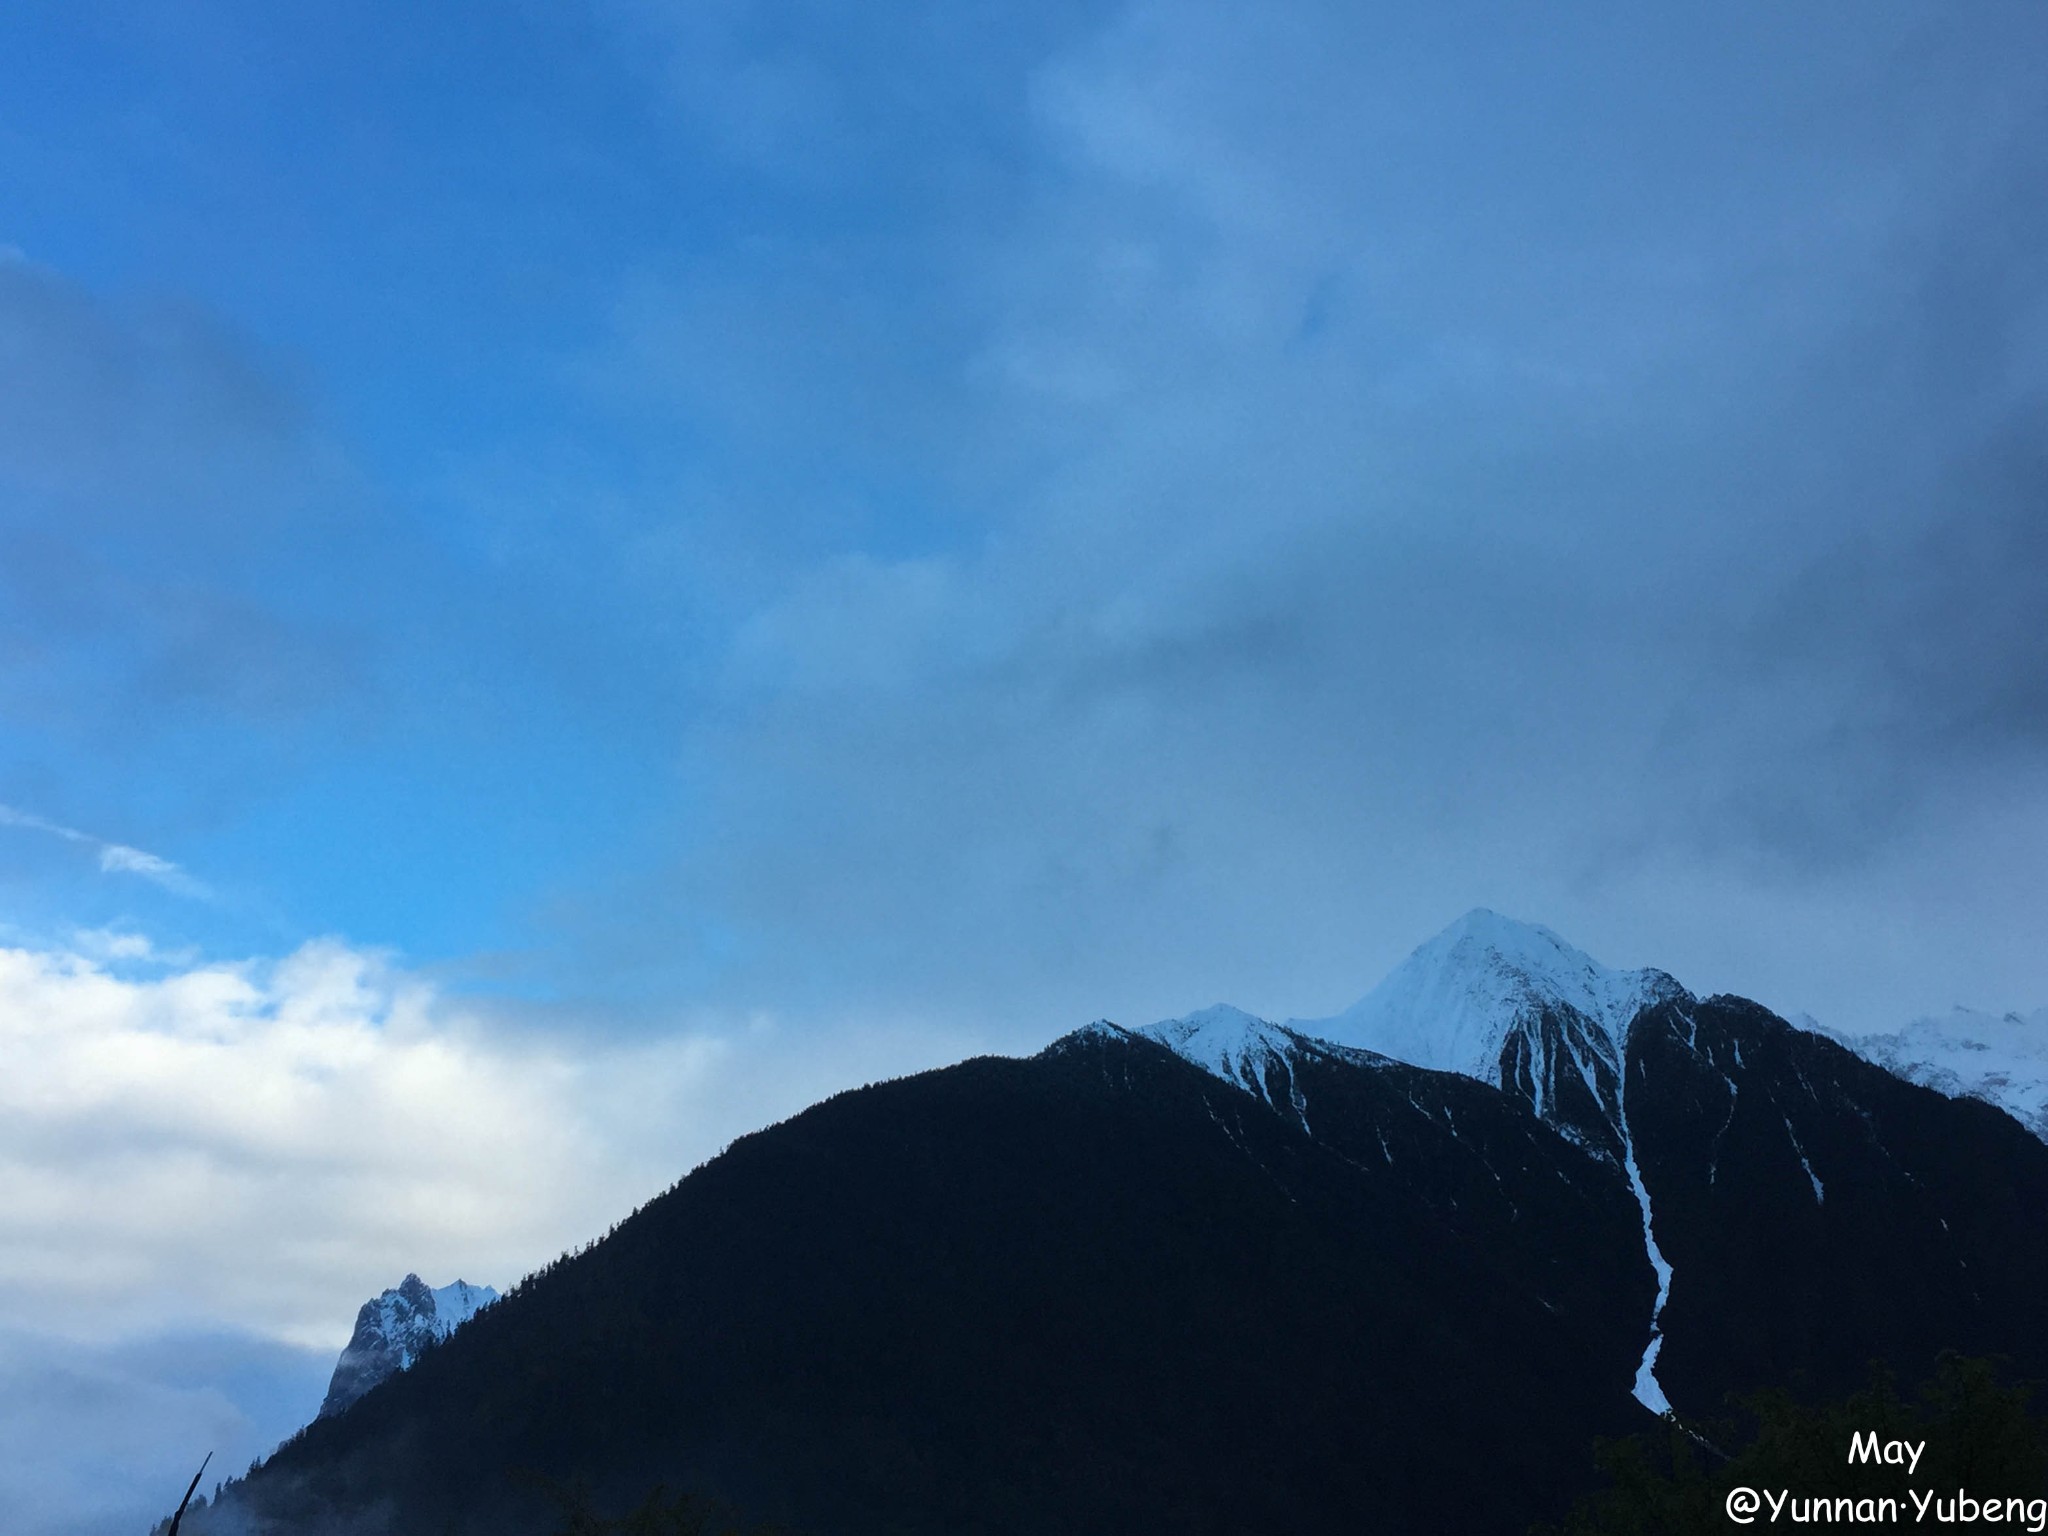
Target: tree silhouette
{"x":1673,"y":1480}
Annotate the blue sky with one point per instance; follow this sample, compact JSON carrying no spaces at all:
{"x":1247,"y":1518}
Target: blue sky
{"x":661,"y":559}
{"x":483,"y":480}
{"x":371,"y":252}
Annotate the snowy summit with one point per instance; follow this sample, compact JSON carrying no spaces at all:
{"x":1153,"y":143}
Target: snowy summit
{"x":1453,"y":1003}
{"x":1510,"y":1004}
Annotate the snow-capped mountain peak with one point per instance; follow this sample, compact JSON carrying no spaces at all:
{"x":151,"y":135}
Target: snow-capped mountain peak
{"x":394,"y":1327}
{"x":1508,"y":1003}
{"x":1514,"y":1006}
{"x":1240,"y":1048}
{"x":1226,"y":1040}
{"x":1454,"y":1002}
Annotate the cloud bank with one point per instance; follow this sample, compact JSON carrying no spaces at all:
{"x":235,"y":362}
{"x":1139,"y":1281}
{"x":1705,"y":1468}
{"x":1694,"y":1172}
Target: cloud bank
{"x":205,"y":1168}
{"x":268,"y":1143}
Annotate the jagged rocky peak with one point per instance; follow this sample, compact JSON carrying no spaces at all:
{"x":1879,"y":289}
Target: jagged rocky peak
{"x":394,"y":1327}
{"x":1511,"y":1004}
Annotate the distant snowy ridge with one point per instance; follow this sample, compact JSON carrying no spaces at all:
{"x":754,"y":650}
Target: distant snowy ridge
{"x":393,"y":1328}
{"x":1964,"y":1053}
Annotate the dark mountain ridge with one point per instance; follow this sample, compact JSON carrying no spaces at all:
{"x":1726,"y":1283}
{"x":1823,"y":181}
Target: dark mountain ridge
{"x":1217,"y":1276}
{"x":1818,"y":1211}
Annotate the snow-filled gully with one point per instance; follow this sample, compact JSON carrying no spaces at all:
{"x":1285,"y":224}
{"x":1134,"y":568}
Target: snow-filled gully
{"x":1647,"y":1391}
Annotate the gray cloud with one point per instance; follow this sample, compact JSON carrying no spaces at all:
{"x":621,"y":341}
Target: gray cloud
{"x":1889,"y":673}
{"x":1390,"y":466}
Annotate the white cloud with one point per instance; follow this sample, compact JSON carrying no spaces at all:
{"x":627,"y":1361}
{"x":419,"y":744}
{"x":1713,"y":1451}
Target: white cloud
{"x":266,"y":1143}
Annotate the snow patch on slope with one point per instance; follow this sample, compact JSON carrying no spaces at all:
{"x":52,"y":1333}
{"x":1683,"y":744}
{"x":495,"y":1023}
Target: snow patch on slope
{"x":1820,"y":1193}
{"x":1226,"y":1041}
{"x":1249,"y":1052}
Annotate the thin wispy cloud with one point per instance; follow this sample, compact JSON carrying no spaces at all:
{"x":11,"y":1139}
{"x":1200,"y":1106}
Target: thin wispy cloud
{"x":112,"y":858}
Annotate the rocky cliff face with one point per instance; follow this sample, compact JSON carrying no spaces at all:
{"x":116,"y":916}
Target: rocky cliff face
{"x":393,"y":1329}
